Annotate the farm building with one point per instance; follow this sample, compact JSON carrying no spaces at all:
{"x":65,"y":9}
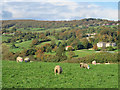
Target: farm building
{"x":68,"y":47}
{"x":104,"y":44}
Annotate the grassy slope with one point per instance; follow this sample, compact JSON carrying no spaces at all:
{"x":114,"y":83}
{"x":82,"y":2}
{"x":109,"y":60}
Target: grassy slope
{"x":83,"y":52}
{"x":78,"y":53}
{"x":5,"y":38}
{"x":41,"y":74}
{"x":41,"y":29}
{"x":25,"y":44}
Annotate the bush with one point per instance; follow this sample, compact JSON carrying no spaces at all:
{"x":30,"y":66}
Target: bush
{"x":71,"y":54}
{"x":110,"y":48}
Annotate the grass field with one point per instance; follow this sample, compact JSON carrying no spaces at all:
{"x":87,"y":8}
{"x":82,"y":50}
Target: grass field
{"x":83,"y":52}
{"x":41,"y":29}
{"x":41,"y":75}
{"x":25,"y":44}
{"x":5,"y":38}
{"x":78,"y":53}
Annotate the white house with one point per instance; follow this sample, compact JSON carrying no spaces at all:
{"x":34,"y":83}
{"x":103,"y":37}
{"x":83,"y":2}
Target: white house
{"x":101,"y":44}
{"x":113,"y":44}
{"x":108,"y":44}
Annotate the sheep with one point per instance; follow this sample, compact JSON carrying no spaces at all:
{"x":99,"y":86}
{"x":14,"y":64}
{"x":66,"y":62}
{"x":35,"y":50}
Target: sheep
{"x":58,"y":69}
{"x":19,"y":59}
{"x":27,"y":59}
{"x":94,"y":62}
{"x":84,"y":65}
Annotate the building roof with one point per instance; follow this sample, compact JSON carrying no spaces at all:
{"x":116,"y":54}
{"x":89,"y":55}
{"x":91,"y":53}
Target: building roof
{"x":68,"y":46}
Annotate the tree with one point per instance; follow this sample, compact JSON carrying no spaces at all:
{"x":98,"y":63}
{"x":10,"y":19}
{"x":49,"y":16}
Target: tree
{"x":71,"y":54}
{"x":39,"y":54}
{"x":35,"y":42}
{"x":55,"y":48}
{"x":48,"y":49}
{"x":13,"y":45}
{"x":95,"y":47}
{"x":5,"y":50}
{"x":53,"y":44}
{"x":59,"y":43}
{"x":110,"y":48}
{"x":13,"y":29}
{"x":60,"y":53}
{"x":85,"y":43}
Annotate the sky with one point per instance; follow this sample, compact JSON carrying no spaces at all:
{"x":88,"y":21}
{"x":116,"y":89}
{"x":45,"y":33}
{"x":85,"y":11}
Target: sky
{"x":58,"y":9}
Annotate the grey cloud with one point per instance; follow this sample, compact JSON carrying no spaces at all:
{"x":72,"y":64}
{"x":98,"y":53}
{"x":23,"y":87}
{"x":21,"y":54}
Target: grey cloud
{"x":6,"y":14}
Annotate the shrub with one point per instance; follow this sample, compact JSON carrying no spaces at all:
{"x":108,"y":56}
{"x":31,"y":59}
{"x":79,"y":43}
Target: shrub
{"x":110,"y":48}
{"x":71,"y":54}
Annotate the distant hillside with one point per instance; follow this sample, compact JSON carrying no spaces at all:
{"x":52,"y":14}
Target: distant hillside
{"x":55,"y":24}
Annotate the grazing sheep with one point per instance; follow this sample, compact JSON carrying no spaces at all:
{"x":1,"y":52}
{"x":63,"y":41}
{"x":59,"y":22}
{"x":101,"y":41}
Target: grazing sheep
{"x":19,"y":59}
{"x":27,"y":59}
{"x":94,"y":62}
{"x":58,"y":69}
{"x":84,"y":65}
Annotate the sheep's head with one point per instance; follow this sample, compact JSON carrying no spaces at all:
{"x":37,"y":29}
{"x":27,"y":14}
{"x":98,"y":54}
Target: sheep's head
{"x":88,"y":67}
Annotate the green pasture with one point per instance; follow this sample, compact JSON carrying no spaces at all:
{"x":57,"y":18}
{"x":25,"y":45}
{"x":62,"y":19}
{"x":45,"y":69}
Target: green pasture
{"x":5,"y":38}
{"x":84,"y":52}
{"x":21,"y":46}
{"x":30,"y":29}
{"x":41,"y":75}
{"x":41,"y":29}
{"x":78,"y":53}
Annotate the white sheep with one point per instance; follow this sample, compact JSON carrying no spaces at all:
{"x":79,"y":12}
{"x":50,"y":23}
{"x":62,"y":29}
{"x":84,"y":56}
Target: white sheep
{"x":84,"y":65}
{"x":19,"y":59}
{"x":94,"y":62}
{"x":58,"y":69}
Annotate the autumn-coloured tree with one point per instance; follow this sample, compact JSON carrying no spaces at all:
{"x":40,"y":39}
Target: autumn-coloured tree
{"x":39,"y":54}
{"x":79,"y":34}
{"x":55,"y":48}
{"x":95,"y":47}
{"x":35,"y":42}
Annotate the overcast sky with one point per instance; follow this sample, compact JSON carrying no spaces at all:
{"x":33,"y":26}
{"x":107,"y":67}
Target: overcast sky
{"x":59,"y":9}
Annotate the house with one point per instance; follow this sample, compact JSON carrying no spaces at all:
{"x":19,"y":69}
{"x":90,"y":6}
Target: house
{"x":68,"y":47}
{"x":101,"y":44}
{"x":90,"y":34}
{"x":113,"y":44}
{"x":104,"y":44}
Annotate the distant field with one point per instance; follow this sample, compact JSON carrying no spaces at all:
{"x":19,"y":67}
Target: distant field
{"x":41,"y":75}
{"x":78,"y":53}
{"x":83,"y":52}
{"x":25,"y":44}
{"x":31,"y":29}
{"x":41,"y":29}
{"x":5,"y":38}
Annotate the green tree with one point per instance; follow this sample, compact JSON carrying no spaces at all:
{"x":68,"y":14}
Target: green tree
{"x":85,"y":43}
{"x":71,"y":54}
{"x":60,"y":53}
{"x":35,"y":42}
